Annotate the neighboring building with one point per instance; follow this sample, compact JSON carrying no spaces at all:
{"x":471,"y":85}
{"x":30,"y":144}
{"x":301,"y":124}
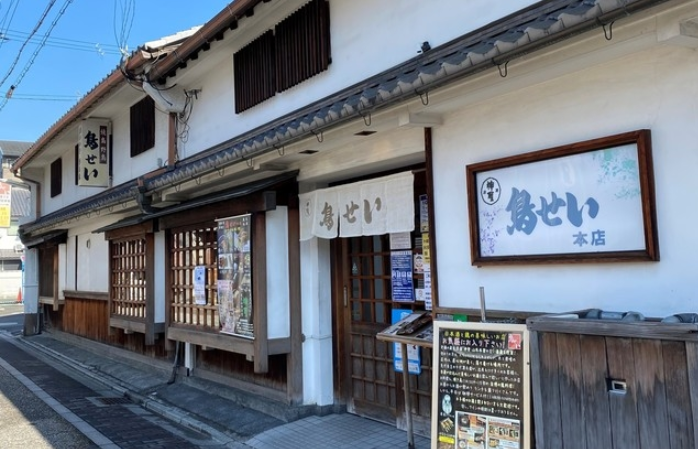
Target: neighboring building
{"x":14,"y":204}
{"x":288,"y":121}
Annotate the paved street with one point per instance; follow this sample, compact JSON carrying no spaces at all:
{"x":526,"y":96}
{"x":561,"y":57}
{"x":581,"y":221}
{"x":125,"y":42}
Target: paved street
{"x":47,"y":406}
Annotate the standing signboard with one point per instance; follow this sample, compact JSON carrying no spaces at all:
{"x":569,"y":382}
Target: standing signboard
{"x":235,"y":276}
{"x":481,"y":394}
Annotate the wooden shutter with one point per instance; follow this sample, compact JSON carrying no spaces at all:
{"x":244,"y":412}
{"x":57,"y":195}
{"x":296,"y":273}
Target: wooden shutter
{"x":303,"y":44}
{"x":142,"y":126}
{"x":56,"y":177}
{"x":254,"y":72}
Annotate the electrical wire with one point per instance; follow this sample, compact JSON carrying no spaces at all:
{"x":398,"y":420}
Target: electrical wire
{"x":7,"y":20}
{"x":128,"y":12}
{"x":57,"y":42}
{"x":35,"y":97}
{"x":29,"y":63}
{"x":21,"y":49}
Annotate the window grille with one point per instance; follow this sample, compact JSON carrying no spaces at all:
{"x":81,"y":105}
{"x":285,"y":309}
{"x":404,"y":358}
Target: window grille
{"x":128,"y":278}
{"x":190,"y":247}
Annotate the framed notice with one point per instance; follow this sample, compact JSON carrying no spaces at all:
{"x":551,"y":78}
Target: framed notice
{"x":481,"y":392}
{"x":589,"y":201}
{"x":235,"y":276}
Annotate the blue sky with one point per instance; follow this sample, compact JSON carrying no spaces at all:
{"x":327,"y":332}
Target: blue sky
{"x":82,"y":48}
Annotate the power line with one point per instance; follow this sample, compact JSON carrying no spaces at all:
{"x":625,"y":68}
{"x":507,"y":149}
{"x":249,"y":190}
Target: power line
{"x":21,"y":49}
{"x":31,"y":97}
{"x":7,"y":18}
{"x":38,"y":49}
{"x":68,"y":44}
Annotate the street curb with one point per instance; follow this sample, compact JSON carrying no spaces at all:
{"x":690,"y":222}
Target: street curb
{"x":167,"y":411}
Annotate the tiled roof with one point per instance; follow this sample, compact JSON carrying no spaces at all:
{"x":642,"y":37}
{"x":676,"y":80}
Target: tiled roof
{"x":20,"y":203}
{"x":539,"y":25}
{"x":14,"y":148}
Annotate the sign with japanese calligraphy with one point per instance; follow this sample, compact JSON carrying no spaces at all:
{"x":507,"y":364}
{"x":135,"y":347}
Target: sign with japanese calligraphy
{"x":374,"y":207}
{"x":235,"y":276}
{"x":481,"y":392}
{"x":93,"y":153}
{"x":5,"y":204}
{"x":586,"y":201}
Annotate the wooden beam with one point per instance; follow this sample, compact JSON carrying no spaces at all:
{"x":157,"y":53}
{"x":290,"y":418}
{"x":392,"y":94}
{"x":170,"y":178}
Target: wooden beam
{"x":149,"y":289}
{"x":259,"y":292}
{"x":428,"y":153}
{"x":294,"y":361}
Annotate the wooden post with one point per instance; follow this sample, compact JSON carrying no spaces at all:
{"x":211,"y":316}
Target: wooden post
{"x":406,"y":390}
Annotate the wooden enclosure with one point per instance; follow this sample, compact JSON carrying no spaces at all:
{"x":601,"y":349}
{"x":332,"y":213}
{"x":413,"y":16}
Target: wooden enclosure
{"x":613,"y":384}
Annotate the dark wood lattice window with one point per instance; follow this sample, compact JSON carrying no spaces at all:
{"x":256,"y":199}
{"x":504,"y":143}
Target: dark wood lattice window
{"x":254,"y":72}
{"x":302,"y":44}
{"x":56,"y":177}
{"x":297,"y":49}
{"x":190,"y":247}
{"x":128,"y":278}
{"x":142,"y":126}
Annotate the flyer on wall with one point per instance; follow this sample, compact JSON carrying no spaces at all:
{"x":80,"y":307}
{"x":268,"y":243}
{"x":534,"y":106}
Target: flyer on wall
{"x":235,"y":276}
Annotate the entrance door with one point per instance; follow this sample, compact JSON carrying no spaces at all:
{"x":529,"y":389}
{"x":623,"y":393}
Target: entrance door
{"x":367,"y":378}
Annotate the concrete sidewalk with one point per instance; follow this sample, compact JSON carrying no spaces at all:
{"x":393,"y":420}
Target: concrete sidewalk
{"x":212,"y":408}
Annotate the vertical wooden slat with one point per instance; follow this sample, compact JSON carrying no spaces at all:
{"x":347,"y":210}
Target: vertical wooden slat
{"x":681,"y":431}
{"x":651,"y":396}
{"x":692,"y":374}
{"x":623,"y":407}
{"x":597,"y":420}
{"x":571,"y":401}
{"x":55,"y":279}
{"x":259,"y":295}
{"x":545,"y":378}
{"x":148,"y":263}
{"x":294,"y":361}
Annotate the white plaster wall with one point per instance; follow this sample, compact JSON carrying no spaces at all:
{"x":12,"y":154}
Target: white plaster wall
{"x":30,"y":281}
{"x":654,"y":89}
{"x":278,"y":307}
{"x":71,"y":268}
{"x":92,"y":262}
{"x":367,"y":37}
{"x":316,"y":310}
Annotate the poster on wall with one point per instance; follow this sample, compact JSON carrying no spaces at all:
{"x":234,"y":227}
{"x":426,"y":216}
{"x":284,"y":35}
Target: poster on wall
{"x":200,"y":285}
{"x":401,"y":276}
{"x":235,"y":276}
{"x":481,"y":398}
{"x":414,"y":359}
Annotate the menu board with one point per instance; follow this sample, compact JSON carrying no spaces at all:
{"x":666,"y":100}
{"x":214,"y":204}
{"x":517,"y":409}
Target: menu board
{"x":481,"y":393}
{"x":235,"y":276}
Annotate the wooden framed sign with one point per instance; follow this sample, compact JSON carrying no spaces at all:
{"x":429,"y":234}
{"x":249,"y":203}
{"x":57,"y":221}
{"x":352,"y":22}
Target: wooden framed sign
{"x":481,"y":391}
{"x":589,"y":201}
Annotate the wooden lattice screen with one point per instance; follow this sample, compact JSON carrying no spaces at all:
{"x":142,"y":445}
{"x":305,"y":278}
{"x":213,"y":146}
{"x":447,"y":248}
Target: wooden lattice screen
{"x":190,"y":247}
{"x":128,"y":278}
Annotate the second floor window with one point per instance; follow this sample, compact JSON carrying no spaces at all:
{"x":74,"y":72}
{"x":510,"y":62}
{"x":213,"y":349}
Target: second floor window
{"x":142,"y":126}
{"x":56,"y":177}
{"x":297,"y":49}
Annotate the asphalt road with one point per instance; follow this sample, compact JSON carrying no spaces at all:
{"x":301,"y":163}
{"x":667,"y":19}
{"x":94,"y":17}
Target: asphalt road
{"x":11,"y":318}
{"x":27,"y":421}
